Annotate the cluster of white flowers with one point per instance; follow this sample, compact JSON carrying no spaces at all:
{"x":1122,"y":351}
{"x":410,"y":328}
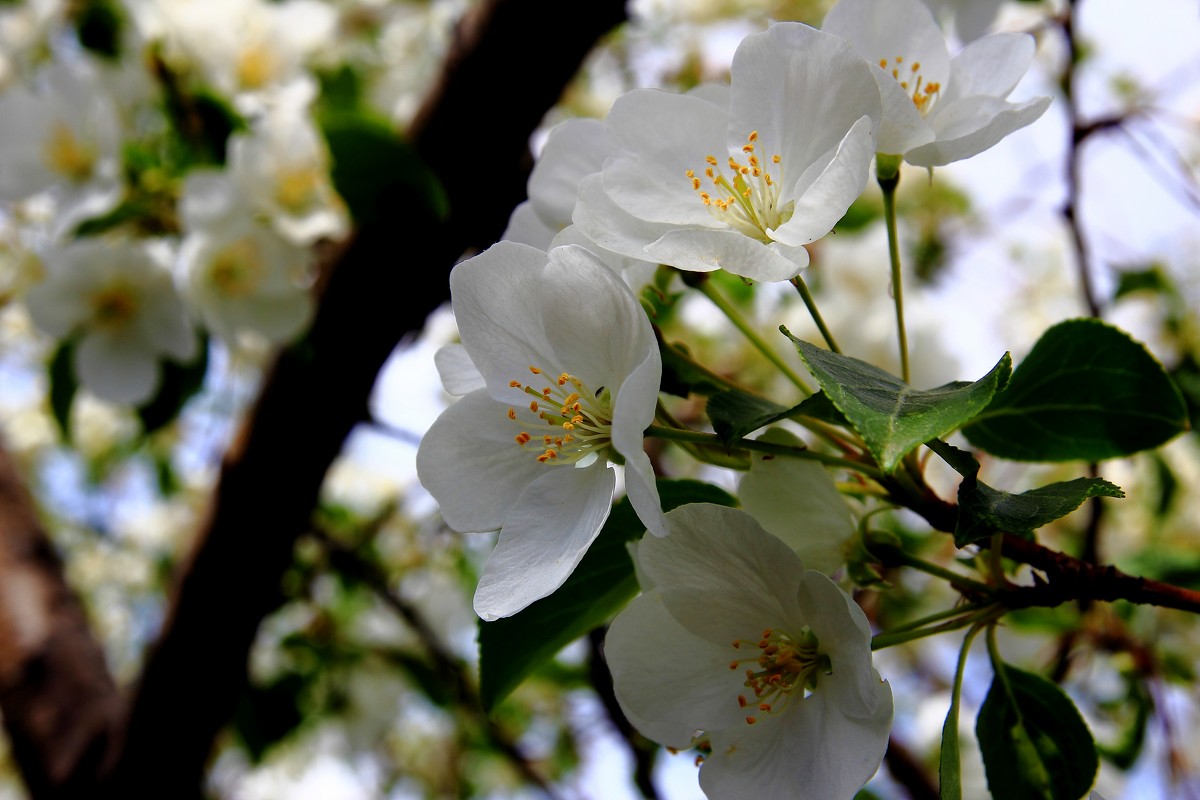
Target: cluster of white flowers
{"x":734,"y":646}
{"x":233,"y":253}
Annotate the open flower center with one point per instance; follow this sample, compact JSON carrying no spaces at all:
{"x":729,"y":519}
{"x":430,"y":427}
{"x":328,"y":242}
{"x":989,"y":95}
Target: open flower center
{"x":747,"y":199}
{"x":297,"y":189}
{"x":68,"y":156}
{"x":113,"y":307}
{"x":236,"y":270}
{"x":578,"y":419}
{"x":256,"y":66}
{"x":924,"y":94}
{"x":781,"y":667}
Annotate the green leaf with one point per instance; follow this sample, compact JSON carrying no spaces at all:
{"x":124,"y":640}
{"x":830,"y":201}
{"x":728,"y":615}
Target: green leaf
{"x":1086,"y":391}
{"x":892,"y":417}
{"x":375,"y":170}
{"x":63,"y":386}
{"x":983,"y":510}
{"x":513,"y":647}
{"x":735,"y":414}
{"x":179,"y":383}
{"x":1034,"y":742}
{"x":99,"y":26}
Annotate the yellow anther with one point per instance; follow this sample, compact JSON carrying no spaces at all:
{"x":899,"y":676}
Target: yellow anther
{"x":712,"y":160}
{"x":512,"y":413}
{"x":695,"y":183}
{"x":535,"y":370}
{"x":533,"y":406}
{"x":514,"y":384}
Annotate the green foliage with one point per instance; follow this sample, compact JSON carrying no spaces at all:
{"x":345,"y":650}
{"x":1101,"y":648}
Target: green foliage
{"x":63,"y":385}
{"x":512,"y":648}
{"x":99,"y":25}
{"x":891,"y":416}
{"x":267,"y":714}
{"x":735,"y":414}
{"x":1087,"y":391}
{"x":180,"y":382}
{"x":983,"y":510}
{"x":376,"y":171}
{"x":1035,"y":745}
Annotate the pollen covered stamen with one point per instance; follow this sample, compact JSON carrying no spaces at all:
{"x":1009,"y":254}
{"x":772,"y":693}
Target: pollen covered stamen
{"x":781,"y":667}
{"x":748,"y":199}
{"x":924,"y":94}
{"x":581,"y":419}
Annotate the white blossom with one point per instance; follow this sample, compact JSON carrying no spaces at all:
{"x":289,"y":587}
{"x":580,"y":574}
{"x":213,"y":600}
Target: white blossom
{"x":736,"y":648}
{"x":702,"y":182}
{"x":572,"y":370}
{"x":119,"y":299}
{"x":936,"y":109}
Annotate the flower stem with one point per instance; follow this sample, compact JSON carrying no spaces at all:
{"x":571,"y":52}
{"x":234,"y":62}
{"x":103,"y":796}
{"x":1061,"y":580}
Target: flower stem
{"x":791,"y":451}
{"x":950,"y":768}
{"x":811,"y":303}
{"x":888,"y":183}
{"x":977,"y":617}
{"x":895,"y":556}
{"x":710,"y":291}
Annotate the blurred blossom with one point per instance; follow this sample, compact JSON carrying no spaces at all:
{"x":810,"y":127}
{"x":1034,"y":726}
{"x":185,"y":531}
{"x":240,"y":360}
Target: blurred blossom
{"x":239,"y":275}
{"x":59,"y":131}
{"x":117,"y":297}
{"x":249,"y":50}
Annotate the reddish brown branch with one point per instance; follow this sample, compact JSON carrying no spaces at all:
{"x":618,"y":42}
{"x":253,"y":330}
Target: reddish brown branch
{"x":56,"y":695}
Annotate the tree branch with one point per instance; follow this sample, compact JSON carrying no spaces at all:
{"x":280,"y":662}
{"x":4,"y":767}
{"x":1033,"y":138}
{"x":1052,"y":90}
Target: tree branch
{"x":474,"y":127}
{"x":57,"y":697}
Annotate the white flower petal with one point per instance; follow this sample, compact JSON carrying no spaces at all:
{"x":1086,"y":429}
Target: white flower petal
{"x":801,"y":89}
{"x":116,"y":368}
{"x":972,"y":125}
{"x":720,"y":574}
{"x":658,"y":136}
{"x":813,"y":744}
{"x":652,"y":658}
{"x":610,"y":226}
{"x":797,"y":501}
{"x":574,"y":149}
{"x":902,"y":127}
{"x":993,"y":65}
{"x":497,"y":307}
{"x":470,"y":464}
{"x":600,"y":329}
{"x":458,"y":372}
{"x":704,"y":251}
{"x":825,"y":201}
{"x":545,"y":534}
{"x":527,"y":227}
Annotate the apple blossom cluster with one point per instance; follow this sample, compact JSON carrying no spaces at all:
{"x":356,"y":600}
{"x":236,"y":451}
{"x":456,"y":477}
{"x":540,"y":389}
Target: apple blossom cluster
{"x":744,"y":642}
{"x":128,"y":263}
